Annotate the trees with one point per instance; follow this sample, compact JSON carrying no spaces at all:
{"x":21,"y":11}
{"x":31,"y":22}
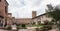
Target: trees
{"x":54,"y":12}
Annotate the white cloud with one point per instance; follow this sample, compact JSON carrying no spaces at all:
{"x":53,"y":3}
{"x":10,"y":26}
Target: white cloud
{"x":44,"y":3}
{"x":23,"y":8}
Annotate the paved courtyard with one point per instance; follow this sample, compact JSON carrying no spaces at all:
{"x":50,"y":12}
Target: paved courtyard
{"x":5,"y":30}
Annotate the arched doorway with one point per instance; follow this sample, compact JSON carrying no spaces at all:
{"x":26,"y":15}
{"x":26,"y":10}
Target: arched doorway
{"x":1,"y":21}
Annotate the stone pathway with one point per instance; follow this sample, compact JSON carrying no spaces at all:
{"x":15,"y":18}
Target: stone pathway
{"x":5,"y":30}
{"x":54,"y":30}
{"x":26,"y":29}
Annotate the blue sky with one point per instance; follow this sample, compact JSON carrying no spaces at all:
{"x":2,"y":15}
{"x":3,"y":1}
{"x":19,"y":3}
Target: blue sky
{"x":24,"y":8}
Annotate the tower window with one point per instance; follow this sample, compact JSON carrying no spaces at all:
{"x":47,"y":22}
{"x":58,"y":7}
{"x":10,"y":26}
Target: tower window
{"x":6,"y":9}
{"x":0,"y":0}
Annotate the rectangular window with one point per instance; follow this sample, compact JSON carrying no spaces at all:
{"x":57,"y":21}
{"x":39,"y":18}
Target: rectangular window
{"x":5,"y":9}
{"x":0,"y":0}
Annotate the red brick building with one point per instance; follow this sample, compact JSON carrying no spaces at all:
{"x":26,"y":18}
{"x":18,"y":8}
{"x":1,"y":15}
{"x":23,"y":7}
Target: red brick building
{"x":26,"y":20}
{"x":3,"y":11}
{"x":6,"y":18}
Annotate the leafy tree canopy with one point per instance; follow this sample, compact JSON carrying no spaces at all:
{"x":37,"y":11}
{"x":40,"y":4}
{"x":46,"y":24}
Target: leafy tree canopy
{"x":53,"y":12}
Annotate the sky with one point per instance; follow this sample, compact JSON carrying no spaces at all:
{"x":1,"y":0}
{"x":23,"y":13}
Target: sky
{"x":24,"y":8}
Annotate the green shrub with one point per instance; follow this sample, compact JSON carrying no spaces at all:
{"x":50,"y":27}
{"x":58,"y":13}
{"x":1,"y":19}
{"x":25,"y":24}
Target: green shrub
{"x":8,"y":28}
{"x":33,"y":23}
{"x":23,"y":26}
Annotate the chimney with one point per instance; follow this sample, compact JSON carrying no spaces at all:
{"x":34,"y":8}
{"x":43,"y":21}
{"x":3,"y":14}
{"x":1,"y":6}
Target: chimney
{"x":33,"y":14}
{"x":9,"y":15}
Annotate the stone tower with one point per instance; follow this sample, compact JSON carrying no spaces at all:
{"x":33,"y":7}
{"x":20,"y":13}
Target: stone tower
{"x":3,"y":12}
{"x":33,"y":14}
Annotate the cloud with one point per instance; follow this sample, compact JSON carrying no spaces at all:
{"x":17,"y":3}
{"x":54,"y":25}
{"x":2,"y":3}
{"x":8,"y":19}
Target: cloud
{"x":43,"y":4}
{"x":24,"y":8}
